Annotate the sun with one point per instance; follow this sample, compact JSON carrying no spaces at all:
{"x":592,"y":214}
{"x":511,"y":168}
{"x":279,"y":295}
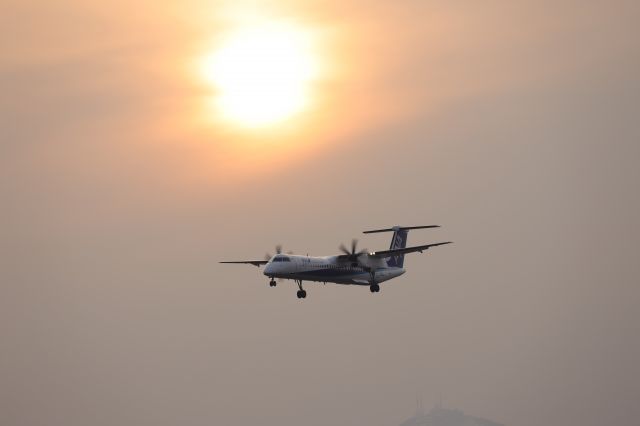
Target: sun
{"x":262,"y":74}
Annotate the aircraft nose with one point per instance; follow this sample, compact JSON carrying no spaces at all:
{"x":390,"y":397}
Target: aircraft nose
{"x":268,"y":269}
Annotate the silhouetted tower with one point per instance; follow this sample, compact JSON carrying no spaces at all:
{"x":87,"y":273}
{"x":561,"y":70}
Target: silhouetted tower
{"x":419,"y":407}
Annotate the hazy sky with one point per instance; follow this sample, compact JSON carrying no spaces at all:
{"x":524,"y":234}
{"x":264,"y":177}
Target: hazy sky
{"x":514,"y":125}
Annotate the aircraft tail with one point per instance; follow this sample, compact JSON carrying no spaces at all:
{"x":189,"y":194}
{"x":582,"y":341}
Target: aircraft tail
{"x":399,"y":240}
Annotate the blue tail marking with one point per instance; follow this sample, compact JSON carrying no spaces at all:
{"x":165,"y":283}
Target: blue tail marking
{"x":399,"y":240}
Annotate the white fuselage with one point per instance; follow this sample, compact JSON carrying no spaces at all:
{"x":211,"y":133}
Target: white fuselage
{"x":330,"y":269}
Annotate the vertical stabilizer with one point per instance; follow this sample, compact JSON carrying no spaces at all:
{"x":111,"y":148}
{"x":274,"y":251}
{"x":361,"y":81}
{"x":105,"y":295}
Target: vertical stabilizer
{"x":399,"y":240}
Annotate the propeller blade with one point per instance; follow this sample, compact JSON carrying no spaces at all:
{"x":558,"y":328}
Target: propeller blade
{"x":354,"y":253}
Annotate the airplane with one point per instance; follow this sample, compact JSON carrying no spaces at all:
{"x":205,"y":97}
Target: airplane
{"x":353,"y":267}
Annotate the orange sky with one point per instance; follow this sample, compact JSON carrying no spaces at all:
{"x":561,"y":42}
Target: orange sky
{"x":511,"y":124}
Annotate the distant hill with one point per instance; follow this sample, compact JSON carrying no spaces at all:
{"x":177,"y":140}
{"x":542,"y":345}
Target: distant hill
{"x":439,"y":416}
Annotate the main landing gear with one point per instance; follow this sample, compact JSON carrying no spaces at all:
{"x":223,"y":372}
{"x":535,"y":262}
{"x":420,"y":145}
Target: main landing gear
{"x":302,"y":293}
{"x":374,"y":287}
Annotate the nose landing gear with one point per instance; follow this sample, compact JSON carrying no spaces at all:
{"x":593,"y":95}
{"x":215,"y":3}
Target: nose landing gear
{"x":272,"y":283}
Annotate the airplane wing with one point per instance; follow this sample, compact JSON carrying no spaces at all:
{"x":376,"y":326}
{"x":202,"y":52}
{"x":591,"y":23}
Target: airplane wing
{"x":389,"y":253}
{"x":257,"y":263}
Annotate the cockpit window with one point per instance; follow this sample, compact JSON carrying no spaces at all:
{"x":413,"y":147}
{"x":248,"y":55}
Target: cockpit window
{"x":281,"y":259}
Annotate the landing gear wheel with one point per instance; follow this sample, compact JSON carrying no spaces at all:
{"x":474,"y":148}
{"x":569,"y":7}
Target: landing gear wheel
{"x":301,"y":293}
{"x":374,"y":288}
{"x":272,"y":283}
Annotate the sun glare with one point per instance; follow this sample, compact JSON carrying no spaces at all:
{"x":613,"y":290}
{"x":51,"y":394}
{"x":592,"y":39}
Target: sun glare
{"x":262,"y":74}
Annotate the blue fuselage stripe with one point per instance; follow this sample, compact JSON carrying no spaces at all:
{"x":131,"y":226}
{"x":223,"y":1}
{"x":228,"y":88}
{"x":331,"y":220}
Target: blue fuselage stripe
{"x":330,"y":272}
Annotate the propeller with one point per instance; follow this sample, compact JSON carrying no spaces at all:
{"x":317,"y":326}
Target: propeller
{"x":268,"y":256}
{"x":353,"y":254}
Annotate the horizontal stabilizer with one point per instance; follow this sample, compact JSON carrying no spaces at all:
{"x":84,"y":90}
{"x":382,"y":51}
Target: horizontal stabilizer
{"x":400,"y":228}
